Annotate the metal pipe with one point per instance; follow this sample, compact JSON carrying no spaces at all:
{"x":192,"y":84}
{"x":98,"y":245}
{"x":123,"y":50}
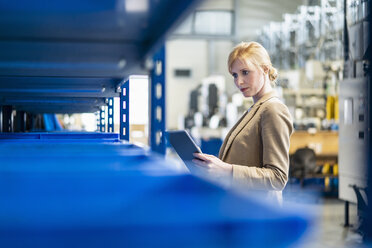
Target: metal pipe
{"x":347,"y":224}
{"x":346,"y":34}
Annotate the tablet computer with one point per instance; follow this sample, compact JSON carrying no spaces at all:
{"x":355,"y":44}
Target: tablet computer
{"x":184,"y":145}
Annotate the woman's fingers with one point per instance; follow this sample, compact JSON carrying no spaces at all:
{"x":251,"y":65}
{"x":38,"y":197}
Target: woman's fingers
{"x":200,"y":156}
{"x":206,"y":160}
{"x":203,"y":155}
{"x":201,"y":163}
{"x":208,"y":155}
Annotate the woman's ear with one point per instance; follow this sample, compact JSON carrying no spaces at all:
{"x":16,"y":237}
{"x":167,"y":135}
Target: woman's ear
{"x":265,"y":69}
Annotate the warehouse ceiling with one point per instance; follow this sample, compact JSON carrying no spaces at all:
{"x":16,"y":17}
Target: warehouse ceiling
{"x":252,"y":15}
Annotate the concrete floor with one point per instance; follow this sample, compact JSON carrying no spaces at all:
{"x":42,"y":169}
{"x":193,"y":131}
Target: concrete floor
{"x":328,"y":230}
{"x":331,"y":231}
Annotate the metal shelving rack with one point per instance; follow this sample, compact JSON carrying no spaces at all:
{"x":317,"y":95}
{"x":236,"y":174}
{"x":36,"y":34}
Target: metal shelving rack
{"x":73,"y":57}
{"x":64,"y":189}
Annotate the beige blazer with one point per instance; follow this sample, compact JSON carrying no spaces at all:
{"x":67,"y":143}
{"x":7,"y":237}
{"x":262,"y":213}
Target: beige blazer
{"x":258,"y":146}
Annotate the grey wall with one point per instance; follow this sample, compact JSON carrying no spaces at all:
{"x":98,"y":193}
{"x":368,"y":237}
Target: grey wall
{"x":203,"y":58}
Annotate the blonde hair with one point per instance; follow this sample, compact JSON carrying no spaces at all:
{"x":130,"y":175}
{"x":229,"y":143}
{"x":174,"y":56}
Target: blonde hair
{"x":256,"y":54}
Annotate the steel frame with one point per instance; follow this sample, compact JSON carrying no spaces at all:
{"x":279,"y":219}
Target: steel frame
{"x":110,"y":114}
{"x":157,"y":103}
{"x":102,"y":115}
{"x":124,"y":111}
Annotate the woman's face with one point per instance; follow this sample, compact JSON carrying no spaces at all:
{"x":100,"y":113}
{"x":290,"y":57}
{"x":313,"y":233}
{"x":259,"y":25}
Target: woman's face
{"x":248,"y":78}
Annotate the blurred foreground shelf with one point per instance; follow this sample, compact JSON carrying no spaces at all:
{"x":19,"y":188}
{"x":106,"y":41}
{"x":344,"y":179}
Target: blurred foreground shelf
{"x":58,"y":193}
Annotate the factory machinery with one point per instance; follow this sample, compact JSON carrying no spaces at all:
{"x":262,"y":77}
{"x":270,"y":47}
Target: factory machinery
{"x":313,"y":32}
{"x":80,"y":189}
{"x":355,"y":111}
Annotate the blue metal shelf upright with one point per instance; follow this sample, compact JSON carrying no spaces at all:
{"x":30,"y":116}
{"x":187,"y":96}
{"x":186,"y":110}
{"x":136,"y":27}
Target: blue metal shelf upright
{"x":124,"y":111}
{"x":157,"y":93}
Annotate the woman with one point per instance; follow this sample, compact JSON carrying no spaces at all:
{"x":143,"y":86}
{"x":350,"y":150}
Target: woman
{"x":254,"y":154}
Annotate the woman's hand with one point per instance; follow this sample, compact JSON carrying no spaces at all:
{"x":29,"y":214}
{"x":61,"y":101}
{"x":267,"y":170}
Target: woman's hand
{"x":212,"y":165}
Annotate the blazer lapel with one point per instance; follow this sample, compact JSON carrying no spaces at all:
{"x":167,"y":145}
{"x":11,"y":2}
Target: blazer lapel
{"x":242,"y":123}
{"x":223,"y":147}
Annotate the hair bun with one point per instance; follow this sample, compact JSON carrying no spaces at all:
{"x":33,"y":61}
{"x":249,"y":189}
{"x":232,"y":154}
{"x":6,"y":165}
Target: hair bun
{"x":273,"y":74}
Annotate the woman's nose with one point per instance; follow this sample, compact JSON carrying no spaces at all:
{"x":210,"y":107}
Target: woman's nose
{"x":238,"y":81}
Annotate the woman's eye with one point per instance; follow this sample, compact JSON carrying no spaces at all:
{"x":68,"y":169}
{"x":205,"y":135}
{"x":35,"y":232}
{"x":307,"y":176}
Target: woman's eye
{"x":235,"y":75}
{"x":244,"y":72}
